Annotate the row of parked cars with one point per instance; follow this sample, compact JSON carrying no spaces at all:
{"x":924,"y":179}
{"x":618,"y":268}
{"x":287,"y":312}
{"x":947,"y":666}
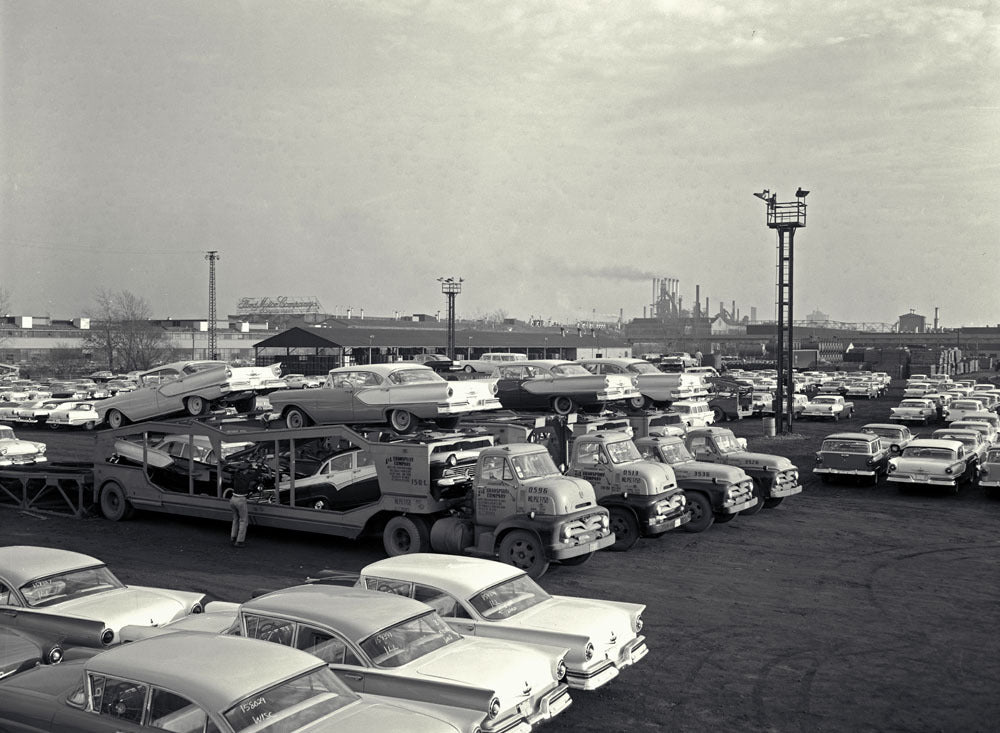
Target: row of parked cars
{"x":417,"y":643}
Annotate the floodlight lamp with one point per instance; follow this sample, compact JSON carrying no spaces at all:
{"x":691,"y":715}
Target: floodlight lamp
{"x":801,"y":193}
{"x":763,"y":194}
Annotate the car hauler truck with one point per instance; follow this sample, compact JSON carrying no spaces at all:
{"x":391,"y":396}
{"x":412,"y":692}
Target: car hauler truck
{"x":450,"y":492}
{"x":642,"y":497}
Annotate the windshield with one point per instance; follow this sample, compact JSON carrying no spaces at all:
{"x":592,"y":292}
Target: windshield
{"x":408,"y":641}
{"x":884,"y":432}
{"x":508,"y":598}
{"x":675,"y":453}
{"x":726,"y":443}
{"x":415,"y":376}
{"x":624,"y":451}
{"x":643,"y":367}
{"x":534,"y":465}
{"x":993,"y":456}
{"x":291,"y":705}
{"x":570,"y":370}
{"x":7,"y":434}
{"x":67,"y":586}
{"x":912,"y":403}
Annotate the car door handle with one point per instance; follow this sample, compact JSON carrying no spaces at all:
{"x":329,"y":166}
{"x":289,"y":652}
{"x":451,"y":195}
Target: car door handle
{"x":470,"y":629}
{"x":352,"y":676}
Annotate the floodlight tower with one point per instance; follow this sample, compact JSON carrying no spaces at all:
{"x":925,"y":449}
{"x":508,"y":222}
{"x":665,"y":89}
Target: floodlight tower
{"x":786,"y":217}
{"x":451,"y":287}
{"x":212,"y":256}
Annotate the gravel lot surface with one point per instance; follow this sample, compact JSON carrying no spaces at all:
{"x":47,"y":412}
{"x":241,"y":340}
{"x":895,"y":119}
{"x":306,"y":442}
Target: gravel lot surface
{"x":847,"y":608}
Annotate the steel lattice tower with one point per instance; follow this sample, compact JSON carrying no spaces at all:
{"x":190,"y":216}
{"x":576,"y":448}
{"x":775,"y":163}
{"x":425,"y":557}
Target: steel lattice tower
{"x":211,"y":256}
{"x":451,"y":287}
{"x":786,"y":218}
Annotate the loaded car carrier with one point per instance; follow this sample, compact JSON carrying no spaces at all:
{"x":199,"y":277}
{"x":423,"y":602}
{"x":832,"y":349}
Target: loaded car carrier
{"x":443,"y":491}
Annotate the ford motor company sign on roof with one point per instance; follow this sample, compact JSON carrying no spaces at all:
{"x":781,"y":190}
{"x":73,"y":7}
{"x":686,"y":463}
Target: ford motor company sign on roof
{"x":279,"y":304}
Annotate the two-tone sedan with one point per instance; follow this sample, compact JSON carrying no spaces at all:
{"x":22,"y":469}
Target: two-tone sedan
{"x":17,"y":452}
{"x":489,"y":599}
{"x":560,"y":386}
{"x":401,"y":648}
{"x":914,"y":410}
{"x":655,"y":387}
{"x":894,"y":437}
{"x":989,"y":470}
{"x":399,"y":394}
{"x":73,"y":414}
{"x":860,"y":456}
{"x":963,"y":409}
{"x":931,"y":462}
{"x":47,"y":588}
{"x":191,"y":682}
{"x":973,"y":440}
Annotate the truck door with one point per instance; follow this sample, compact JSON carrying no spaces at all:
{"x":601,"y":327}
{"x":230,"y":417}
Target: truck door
{"x":703,"y":449}
{"x":496,"y":491}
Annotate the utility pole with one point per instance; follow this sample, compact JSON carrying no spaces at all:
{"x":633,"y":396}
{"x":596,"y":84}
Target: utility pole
{"x":212,"y":256}
{"x":786,"y":217}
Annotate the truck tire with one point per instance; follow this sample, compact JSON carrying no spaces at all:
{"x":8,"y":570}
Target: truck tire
{"x":758,"y":491}
{"x":406,"y":535}
{"x":701,"y":512}
{"x":625,"y":526}
{"x":524,"y":550}
{"x":719,"y":414}
{"x":114,"y":505}
{"x":451,"y":535}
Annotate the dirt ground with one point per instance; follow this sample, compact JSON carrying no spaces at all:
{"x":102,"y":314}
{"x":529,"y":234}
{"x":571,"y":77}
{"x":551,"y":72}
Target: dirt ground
{"x":847,"y":608}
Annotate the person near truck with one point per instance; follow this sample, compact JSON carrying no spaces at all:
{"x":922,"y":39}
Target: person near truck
{"x":244,"y":483}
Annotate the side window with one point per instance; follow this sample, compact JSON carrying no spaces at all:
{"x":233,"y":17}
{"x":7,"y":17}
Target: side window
{"x":275,"y":630}
{"x":492,"y":468}
{"x":508,"y":472}
{"x":440,"y":601}
{"x":588,"y":453}
{"x":341,"y":463}
{"x":171,"y":712}
{"x":384,"y":585}
{"x":123,"y":700}
{"x":364,"y":459}
{"x":8,"y":597}
{"x":328,"y":647}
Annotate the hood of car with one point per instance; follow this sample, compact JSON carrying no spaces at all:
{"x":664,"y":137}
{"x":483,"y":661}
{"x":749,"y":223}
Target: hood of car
{"x":123,"y":607}
{"x":515,"y":673}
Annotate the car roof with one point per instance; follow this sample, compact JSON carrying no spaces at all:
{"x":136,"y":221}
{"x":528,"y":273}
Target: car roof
{"x":20,"y":564}
{"x":894,"y":426}
{"x":610,"y":360}
{"x":383,"y":369}
{"x":460,"y":576}
{"x":867,"y":437}
{"x":947,"y":432}
{"x":936,"y":443}
{"x":211,"y":669}
{"x":356,"y":612}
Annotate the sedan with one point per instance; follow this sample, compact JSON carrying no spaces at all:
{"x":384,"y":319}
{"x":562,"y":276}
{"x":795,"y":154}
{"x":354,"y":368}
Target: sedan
{"x":490,"y":599}
{"x":398,"y":394}
{"x":894,"y":437}
{"x":933,"y":463}
{"x":17,"y":452}
{"x":195,"y":682}
{"x":46,"y":588}
{"x":914,"y":410}
{"x":560,"y":386}
{"x":852,"y":455}
{"x":402,"y":648}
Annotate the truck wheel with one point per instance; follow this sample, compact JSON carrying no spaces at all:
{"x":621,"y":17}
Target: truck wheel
{"x":402,"y":422}
{"x":626,"y":528}
{"x":523,"y":550}
{"x":724,"y":518}
{"x":406,"y":535}
{"x":196,"y":406}
{"x":451,"y":535}
{"x":296,"y":419}
{"x":701,"y":513}
{"x":114,"y":505}
{"x":115,"y":419}
{"x":563,"y":405}
{"x":771,"y":503}
{"x":719,"y":414}
{"x":758,"y":492}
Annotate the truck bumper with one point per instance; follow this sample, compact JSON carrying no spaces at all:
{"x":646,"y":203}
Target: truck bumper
{"x":576,"y":547}
{"x":737,"y":507}
{"x":790,"y":490}
{"x":665,"y":522}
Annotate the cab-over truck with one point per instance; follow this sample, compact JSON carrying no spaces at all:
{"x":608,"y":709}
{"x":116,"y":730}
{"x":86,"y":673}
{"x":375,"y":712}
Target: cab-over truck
{"x":502,"y":502}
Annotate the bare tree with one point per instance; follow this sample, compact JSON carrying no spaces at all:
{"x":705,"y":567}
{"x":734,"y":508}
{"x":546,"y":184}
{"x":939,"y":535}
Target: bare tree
{"x":121,"y":331}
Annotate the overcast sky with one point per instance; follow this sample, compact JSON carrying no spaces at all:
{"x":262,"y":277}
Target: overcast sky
{"x":556,"y":155}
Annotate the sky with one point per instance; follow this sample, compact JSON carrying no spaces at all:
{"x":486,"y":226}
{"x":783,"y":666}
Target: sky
{"x":555,"y":155}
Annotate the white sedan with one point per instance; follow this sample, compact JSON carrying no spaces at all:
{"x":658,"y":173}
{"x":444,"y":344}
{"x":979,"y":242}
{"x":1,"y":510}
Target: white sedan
{"x":486,"y":598}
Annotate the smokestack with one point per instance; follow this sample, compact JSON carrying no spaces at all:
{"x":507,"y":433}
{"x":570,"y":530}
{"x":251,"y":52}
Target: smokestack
{"x":732,"y":313}
{"x":753,"y":313}
{"x":644,"y":312}
{"x":935,"y":318}
{"x":697,"y":300}
{"x":349,"y":312}
{"x":362,"y":314}
{"x":708,"y":312}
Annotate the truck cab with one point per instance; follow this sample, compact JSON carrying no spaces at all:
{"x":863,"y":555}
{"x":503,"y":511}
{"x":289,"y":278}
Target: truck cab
{"x":642,"y":497}
{"x":525,"y":513}
{"x":715,"y":492}
{"x":774,"y":477}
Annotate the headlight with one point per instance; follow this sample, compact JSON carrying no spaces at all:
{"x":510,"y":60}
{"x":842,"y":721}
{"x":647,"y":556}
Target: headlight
{"x":561,"y":670}
{"x":948,"y":470}
{"x":452,"y":460}
{"x":494,"y":707}
{"x":229,"y":373}
{"x":638,"y":623}
{"x":494,"y":388}
{"x":588,"y":652}
{"x":566,"y":532}
{"x":451,"y":392}
{"x":107,"y":637}
{"x":197,"y":608}
{"x":892,"y":467}
{"x":55,"y":655}
{"x":605,"y":521}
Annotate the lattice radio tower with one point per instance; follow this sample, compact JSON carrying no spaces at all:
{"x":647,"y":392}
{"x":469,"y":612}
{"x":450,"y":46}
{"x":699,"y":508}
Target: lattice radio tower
{"x":212,"y":256}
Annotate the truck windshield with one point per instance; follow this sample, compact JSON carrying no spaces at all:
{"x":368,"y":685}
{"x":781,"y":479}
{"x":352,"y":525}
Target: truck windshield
{"x":727,"y":443}
{"x":624,"y":451}
{"x":534,"y":465}
{"x":675,"y":453}
{"x":508,"y":598}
